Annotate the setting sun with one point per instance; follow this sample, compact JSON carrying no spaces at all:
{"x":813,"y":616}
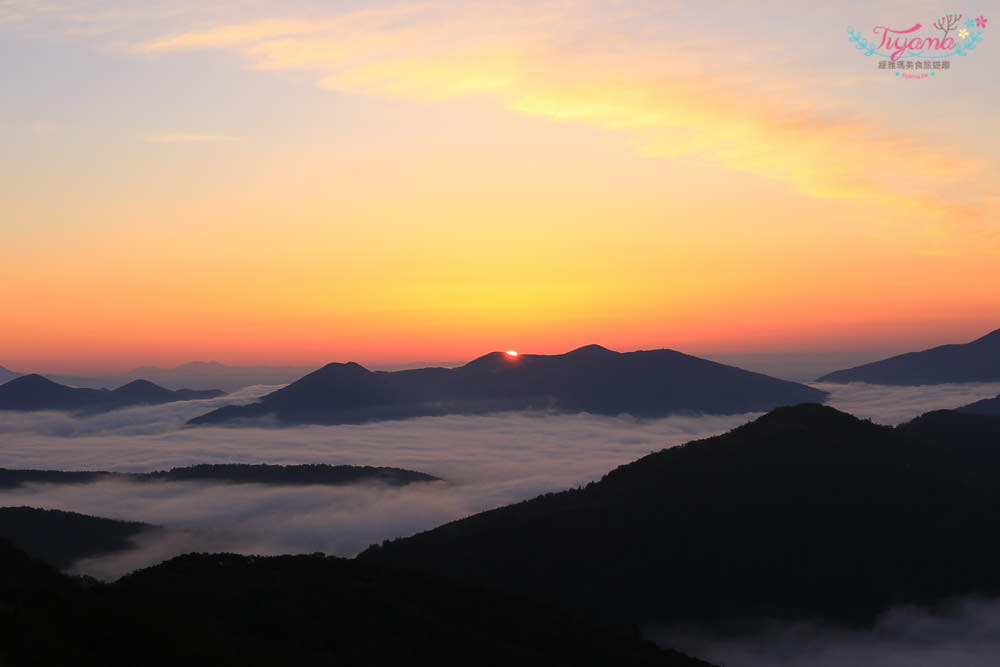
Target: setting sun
{"x":511,"y":353}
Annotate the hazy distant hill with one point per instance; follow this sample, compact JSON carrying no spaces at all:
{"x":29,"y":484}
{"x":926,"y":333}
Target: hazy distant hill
{"x":806,"y":512}
{"x":978,"y":361}
{"x":590,"y":379}
{"x":233,"y":610}
{"x":61,"y":538}
{"x":192,"y":375}
{"x":212,"y":374}
{"x":229,"y":473}
{"x":34,"y":392}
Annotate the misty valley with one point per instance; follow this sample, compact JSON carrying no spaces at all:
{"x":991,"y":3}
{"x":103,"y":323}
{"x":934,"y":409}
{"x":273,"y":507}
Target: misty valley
{"x":586,"y":508}
{"x":504,"y":333}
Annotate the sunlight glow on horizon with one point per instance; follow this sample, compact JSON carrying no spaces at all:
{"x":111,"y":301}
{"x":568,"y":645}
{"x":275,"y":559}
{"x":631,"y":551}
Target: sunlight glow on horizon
{"x":384,"y":182}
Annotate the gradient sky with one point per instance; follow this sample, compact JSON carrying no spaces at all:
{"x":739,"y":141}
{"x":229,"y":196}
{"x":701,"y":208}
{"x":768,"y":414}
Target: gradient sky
{"x":297,"y":183}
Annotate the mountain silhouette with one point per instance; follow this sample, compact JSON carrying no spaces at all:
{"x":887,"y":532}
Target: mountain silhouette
{"x":805,"y":513}
{"x":228,"y":473}
{"x":212,"y":374}
{"x":7,"y":375}
{"x":225,"y":609}
{"x":61,"y":538}
{"x":590,"y":379}
{"x":987,"y":406}
{"x":34,"y":392}
{"x":978,"y":361}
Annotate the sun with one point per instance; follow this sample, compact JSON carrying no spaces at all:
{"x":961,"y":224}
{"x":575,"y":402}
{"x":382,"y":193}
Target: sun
{"x":511,"y":353}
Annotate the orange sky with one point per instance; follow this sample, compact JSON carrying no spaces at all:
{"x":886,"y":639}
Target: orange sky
{"x":298,"y":184}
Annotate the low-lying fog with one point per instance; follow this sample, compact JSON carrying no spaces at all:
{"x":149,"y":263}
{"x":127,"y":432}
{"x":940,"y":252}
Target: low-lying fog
{"x":486,"y":462}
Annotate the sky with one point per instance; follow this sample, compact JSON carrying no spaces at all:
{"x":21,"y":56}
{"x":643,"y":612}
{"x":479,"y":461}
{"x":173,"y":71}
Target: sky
{"x":303,"y":182}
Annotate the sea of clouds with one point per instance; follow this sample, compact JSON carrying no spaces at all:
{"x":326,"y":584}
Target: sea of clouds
{"x":960,"y":633}
{"x":483,"y":461}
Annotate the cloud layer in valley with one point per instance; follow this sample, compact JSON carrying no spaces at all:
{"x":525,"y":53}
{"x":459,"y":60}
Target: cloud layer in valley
{"x":894,"y":405}
{"x":959,"y":634}
{"x":487,"y":461}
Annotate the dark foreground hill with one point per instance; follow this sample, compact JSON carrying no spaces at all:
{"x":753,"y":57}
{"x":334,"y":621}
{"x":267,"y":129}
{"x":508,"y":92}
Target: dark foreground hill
{"x":978,"y":361}
{"x":34,"y":392}
{"x":228,"y":473}
{"x":805,"y":513}
{"x":223,"y":610}
{"x":61,"y":538}
{"x":590,"y":379}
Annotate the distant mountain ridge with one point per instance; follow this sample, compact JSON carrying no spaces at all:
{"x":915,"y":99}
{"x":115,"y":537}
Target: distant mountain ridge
{"x":200,"y":375}
{"x":210,"y":375}
{"x":977,"y":361}
{"x":987,"y":406}
{"x":591,"y":379}
{"x":35,"y":392}
{"x":229,"y":473}
{"x":804,"y":513}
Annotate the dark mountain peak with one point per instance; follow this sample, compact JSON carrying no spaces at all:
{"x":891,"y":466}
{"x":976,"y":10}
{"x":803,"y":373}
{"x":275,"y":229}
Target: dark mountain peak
{"x":812,"y":415}
{"x":493,"y":360}
{"x":136,"y":385}
{"x":337,"y":369}
{"x":787,"y":433}
{"x":592,"y":350}
{"x":32,"y":381}
{"x":332,"y":373}
{"x":807,"y":424}
{"x":349,"y":385}
{"x":143,"y":390}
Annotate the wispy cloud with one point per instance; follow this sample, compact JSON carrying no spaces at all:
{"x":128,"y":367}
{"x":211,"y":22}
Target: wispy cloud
{"x":670,"y":101}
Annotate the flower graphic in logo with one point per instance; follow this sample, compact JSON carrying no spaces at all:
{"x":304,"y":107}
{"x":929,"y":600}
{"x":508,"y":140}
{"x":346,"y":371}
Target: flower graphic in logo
{"x":981,"y":22}
{"x":969,"y":23}
{"x":963,"y":33}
